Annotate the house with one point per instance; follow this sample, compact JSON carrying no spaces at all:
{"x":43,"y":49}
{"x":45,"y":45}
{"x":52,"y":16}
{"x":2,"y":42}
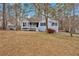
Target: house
{"x":11,"y":26}
{"x":38,"y":24}
{"x":52,"y":24}
{"x":11,"y":23}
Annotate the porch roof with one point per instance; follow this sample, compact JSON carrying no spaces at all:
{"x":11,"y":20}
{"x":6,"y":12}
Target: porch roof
{"x":34,"y":19}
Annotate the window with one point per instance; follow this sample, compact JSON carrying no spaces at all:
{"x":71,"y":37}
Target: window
{"x":24,"y":24}
{"x":54,"y":24}
{"x":42,"y":24}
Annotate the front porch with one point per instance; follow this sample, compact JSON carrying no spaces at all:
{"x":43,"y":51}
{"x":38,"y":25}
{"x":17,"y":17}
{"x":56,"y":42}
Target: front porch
{"x":30,"y":26}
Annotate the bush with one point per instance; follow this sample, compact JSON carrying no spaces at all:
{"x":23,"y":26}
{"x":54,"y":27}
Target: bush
{"x":51,"y":31}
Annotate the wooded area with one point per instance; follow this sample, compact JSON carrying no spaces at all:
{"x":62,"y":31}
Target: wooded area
{"x":66,"y":14}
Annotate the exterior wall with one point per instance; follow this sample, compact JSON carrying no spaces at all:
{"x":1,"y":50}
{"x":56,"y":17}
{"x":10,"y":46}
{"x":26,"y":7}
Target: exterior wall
{"x":0,"y":24}
{"x":11,"y":26}
{"x":43,"y":28}
{"x":31,"y":27}
{"x":54,"y":26}
{"x":23,"y":27}
{"x":77,"y":30}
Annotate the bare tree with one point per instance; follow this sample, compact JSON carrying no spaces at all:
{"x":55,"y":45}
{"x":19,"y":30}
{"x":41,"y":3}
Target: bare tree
{"x":16,"y":8}
{"x":4,"y":15}
{"x":46,"y":13}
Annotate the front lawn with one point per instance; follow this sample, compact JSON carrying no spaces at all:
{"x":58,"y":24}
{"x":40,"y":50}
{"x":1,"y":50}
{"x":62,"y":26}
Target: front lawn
{"x":37,"y":43}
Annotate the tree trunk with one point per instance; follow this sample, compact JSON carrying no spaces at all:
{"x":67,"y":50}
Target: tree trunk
{"x":4,"y":20}
{"x":72,"y":28}
{"x":46,"y":16}
{"x":71,"y":32}
{"x":16,"y":11}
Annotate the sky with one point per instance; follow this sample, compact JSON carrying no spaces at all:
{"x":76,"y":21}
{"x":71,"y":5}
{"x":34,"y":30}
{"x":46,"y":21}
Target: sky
{"x":27,"y":1}
{"x":39,"y":1}
{"x":32,"y":12}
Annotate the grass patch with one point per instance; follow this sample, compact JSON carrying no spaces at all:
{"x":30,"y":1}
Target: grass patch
{"x":37,"y":43}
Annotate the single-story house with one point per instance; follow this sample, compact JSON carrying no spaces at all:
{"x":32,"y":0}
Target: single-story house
{"x":11,"y":26}
{"x":37,"y":24}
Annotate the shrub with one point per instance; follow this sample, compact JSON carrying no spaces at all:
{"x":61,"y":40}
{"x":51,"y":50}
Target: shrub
{"x":51,"y":30}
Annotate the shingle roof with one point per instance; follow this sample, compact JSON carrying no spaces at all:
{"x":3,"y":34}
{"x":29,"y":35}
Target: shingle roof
{"x":34,"y":19}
